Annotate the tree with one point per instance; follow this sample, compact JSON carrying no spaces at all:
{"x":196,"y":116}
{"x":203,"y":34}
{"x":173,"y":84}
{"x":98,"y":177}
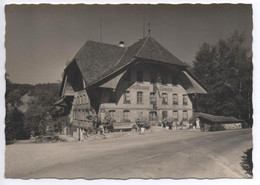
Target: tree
{"x":225,"y":69}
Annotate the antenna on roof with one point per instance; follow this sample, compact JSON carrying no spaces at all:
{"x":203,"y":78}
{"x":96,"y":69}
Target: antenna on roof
{"x":149,"y":29}
{"x":144,"y":25}
{"x":101,"y":29}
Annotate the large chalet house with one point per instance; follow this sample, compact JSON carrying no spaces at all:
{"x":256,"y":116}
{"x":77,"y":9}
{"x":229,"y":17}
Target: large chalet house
{"x":142,"y":80}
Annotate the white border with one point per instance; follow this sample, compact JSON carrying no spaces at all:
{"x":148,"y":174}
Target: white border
{"x":256,"y":97}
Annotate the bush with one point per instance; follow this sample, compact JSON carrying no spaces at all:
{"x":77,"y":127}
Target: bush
{"x":142,"y":123}
{"x":167,"y":122}
{"x":108,"y":124}
{"x":216,"y":127}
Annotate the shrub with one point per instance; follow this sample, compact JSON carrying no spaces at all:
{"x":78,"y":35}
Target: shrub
{"x":142,"y":123}
{"x":167,"y":122}
{"x":108,"y":124}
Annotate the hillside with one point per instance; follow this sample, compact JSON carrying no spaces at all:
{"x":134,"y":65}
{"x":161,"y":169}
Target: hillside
{"x":27,"y":108}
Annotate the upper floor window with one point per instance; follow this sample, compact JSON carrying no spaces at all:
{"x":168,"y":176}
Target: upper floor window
{"x":175,"y":99}
{"x":139,"y":97}
{"x":139,"y":77}
{"x":128,"y":76}
{"x":84,"y":98}
{"x":152,"y":98}
{"x":164,"y":78}
{"x":185,"y":115}
{"x":185,"y":99}
{"x":164,"y":98}
{"x":175,"y":115}
{"x":127,"y":97}
{"x":153,"y":77}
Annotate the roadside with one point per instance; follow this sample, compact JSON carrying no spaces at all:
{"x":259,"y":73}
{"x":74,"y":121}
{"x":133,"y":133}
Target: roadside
{"x":172,"y":154}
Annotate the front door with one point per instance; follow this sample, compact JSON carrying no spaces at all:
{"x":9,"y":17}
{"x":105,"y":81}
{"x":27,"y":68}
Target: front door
{"x":153,"y":118}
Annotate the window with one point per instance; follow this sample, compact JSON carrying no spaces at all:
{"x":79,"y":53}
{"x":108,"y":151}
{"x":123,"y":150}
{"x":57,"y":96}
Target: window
{"x":185,"y":115}
{"x":152,"y":116}
{"x":126,"y":115}
{"x":140,"y":114}
{"x":80,"y":100}
{"x":153,"y":77}
{"x":112,"y":114}
{"x":139,"y":77}
{"x":164,"y":114}
{"x":164,"y":98}
{"x":175,"y":99}
{"x":152,"y":98}
{"x":128,"y":76}
{"x":127,"y":97}
{"x":174,"y":80}
{"x":175,"y":115}
{"x":185,"y":99}
{"x":164,"y":78}
{"x":139,"y":97}
{"x":84,"y":98}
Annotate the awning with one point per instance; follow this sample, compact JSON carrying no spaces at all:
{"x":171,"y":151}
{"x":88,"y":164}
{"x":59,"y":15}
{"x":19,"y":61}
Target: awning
{"x":113,"y":82}
{"x":196,"y":88}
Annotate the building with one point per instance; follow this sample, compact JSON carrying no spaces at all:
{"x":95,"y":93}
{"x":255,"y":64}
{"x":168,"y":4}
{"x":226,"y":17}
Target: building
{"x":209,"y":122}
{"x":142,"y":80}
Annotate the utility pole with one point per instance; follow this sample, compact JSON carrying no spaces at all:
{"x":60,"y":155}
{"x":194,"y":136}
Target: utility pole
{"x":101,"y":29}
{"x":144,"y":24}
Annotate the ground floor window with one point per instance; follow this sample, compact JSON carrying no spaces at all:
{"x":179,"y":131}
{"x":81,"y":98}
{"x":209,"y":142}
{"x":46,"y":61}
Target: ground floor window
{"x":126,"y":116}
{"x":153,"y":116}
{"x":175,"y":115}
{"x":112,"y":114}
{"x":185,"y":115}
{"x":164,"y":114}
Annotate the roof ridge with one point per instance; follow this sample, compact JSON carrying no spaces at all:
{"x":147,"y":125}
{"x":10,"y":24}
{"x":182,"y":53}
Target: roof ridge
{"x":121,"y":56}
{"x":142,"y":45}
{"x":104,"y":43}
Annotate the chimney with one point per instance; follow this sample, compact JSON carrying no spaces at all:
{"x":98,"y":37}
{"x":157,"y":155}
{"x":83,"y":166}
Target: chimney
{"x":121,"y":44}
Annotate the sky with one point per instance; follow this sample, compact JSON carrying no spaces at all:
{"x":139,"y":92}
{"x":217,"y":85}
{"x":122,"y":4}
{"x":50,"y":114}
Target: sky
{"x":40,"y":39}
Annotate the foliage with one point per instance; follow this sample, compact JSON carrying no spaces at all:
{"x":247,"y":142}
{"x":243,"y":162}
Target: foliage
{"x":36,"y":116}
{"x":168,"y":122}
{"x":247,"y":163}
{"x":108,"y":124}
{"x":14,"y":122}
{"x":225,"y":68}
{"x":142,"y":122}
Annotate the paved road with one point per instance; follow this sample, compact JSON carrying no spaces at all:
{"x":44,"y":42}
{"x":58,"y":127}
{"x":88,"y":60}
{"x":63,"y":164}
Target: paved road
{"x":168,"y":155}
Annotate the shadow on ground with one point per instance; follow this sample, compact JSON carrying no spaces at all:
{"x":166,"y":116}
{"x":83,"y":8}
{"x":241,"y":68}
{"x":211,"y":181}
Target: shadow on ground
{"x":247,"y":163}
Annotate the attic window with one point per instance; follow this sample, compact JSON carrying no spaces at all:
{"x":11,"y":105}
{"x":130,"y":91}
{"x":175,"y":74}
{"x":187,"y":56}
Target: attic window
{"x":139,"y":76}
{"x":164,"y":78}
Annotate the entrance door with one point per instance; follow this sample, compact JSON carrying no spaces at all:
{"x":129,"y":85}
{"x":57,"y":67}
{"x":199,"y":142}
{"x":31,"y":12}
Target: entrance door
{"x":153,"y":118}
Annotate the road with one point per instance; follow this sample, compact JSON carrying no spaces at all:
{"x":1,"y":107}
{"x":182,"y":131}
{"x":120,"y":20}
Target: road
{"x":156,"y":155}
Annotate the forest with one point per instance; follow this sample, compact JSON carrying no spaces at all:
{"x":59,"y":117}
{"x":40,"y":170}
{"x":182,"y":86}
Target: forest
{"x":224,"y":68}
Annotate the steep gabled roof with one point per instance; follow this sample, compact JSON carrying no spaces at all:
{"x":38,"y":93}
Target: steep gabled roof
{"x":98,"y":60}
